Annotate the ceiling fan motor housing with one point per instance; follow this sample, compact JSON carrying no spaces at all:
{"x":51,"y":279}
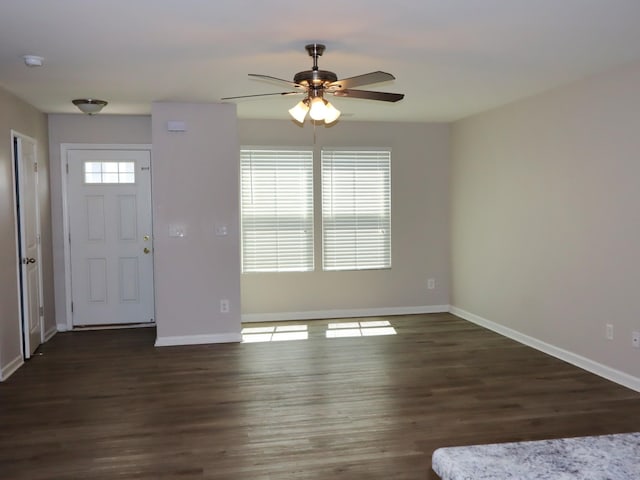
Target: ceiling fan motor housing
{"x":315,"y":78}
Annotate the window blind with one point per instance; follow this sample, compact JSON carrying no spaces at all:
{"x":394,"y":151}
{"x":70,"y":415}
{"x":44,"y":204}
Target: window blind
{"x":356,"y":209}
{"x":276,"y":210}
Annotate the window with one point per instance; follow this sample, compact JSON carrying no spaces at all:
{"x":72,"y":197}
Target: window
{"x":109,"y":172}
{"x":276,"y":210}
{"x":356,"y":209}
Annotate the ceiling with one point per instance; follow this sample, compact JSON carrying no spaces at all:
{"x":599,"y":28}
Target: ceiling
{"x":451,"y":58}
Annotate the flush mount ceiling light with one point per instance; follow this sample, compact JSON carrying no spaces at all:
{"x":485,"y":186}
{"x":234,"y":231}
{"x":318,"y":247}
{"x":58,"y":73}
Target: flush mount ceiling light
{"x":89,"y":105}
{"x":316,"y":83}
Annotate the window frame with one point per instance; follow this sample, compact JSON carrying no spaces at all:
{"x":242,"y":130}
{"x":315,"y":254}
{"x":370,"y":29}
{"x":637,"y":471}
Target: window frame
{"x":281,"y":260}
{"x":330,"y":260}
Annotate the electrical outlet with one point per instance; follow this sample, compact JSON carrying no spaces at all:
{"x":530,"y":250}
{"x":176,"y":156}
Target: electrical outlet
{"x":635,"y":339}
{"x":224,"y":306}
{"x":431,"y":283}
{"x":609,"y":331}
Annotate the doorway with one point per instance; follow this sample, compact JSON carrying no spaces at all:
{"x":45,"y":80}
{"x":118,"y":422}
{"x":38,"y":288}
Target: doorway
{"x":28,"y":242}
{"x":110,"y":250}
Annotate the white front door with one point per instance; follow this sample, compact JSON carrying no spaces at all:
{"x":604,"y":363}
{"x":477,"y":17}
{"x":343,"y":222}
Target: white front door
{"x":29,"y":242}
{"x":111,"y":249}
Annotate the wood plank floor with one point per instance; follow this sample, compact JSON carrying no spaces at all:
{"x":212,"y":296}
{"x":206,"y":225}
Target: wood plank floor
{"x":108,"y":405}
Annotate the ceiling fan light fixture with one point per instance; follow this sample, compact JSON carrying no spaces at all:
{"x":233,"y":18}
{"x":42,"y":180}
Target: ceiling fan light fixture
{"x":89,"y":105}
{"x":299,"y":111}
{"x":318,"y":108}
{"x":316,"y":83}
{"x":332,"y":114}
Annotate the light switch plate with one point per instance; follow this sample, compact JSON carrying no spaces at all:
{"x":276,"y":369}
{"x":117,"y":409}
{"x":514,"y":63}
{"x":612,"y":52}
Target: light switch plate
{"x":222,"y":230}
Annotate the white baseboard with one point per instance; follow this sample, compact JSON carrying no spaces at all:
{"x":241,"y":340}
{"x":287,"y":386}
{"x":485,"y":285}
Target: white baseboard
{"x":62,"y":327}
{"x":10,"y":368}
{"x":348,"y":313}
{"x":599,"y":369}
{"x":48,"y":335}
{"x":115,"y":326}
{"x":198,"y":339}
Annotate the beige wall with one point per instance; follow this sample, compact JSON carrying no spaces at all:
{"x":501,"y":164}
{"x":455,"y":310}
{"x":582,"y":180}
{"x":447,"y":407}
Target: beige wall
{"x":194,"y":183}
{"x":83,"y":129}
{"x":195,"y":186}
{"x":21,"y":117}
{"x":545,"y":226}
{"x":420,"y":226}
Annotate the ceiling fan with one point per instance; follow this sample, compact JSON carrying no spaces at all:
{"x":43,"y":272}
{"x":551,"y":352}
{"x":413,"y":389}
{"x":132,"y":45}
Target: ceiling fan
{"x":314,"y":84}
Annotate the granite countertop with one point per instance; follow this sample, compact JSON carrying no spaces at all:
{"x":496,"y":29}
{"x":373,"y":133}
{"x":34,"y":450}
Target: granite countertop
{"x":606,"y":457}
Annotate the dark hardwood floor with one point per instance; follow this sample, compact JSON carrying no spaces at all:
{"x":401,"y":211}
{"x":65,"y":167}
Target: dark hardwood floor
{"x":108,"y":405}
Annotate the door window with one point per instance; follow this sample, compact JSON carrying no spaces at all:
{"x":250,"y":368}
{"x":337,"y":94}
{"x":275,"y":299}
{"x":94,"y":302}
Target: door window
{"x":109,"y":172}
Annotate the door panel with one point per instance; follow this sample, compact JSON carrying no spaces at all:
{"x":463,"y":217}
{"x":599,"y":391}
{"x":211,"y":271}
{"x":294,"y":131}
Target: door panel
{"x":29,"y":228}
{"x":109,"y":197}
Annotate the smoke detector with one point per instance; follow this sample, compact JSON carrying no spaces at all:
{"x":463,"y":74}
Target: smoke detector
{"x":33,"y":60}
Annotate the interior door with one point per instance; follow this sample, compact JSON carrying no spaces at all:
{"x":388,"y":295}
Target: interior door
{"x":109,"y":205}
{"x":29,"y":242}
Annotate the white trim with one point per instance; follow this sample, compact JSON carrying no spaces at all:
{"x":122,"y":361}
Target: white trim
{"x":64,"y":151}
{"x":289,"y":148}
{"x":599,"y":369}
{"x":198,"y":339}
{"x":20,"y":224}
{"x":115,"y":326}
{"x":17,"y":223}
{"x":48,"y":335}
{"x":62,"y":327}
{"x":348,"y":313}
{"x":10,"y":368}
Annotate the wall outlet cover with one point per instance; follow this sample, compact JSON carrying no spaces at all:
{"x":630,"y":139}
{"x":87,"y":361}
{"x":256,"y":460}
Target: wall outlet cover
{"x":609,"y":331}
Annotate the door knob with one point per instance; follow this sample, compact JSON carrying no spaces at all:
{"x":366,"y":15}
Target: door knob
{"x":146,"y":250}
{"x":28,"y":260}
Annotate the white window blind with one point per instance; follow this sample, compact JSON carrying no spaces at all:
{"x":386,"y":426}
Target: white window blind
{"x":356,"y":209}
{"x":276,"y":210}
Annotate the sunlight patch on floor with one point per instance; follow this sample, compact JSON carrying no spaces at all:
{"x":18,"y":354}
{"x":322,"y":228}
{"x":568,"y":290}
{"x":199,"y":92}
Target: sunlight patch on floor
{"x":334,"y":330}
{"x":360,"y":329}
{"x":274,"y":334}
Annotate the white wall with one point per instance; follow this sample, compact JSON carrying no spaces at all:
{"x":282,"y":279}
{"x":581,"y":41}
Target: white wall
{"x":80,"y":128}
{"x":195,"y":186}
{"x":545,"y":223}
{"x":23,"y":118}
{"x":420,"y":227}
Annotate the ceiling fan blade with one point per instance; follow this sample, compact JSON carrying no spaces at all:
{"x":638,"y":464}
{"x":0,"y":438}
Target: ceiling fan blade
{"x":369,"y":95}
{"x":359,"y":80}
{"x":261,"y":95}
{"x":275,"y":79}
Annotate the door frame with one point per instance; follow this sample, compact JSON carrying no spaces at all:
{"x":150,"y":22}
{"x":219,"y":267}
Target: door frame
{"x":65,"y":148}
{"x":16,"y":173}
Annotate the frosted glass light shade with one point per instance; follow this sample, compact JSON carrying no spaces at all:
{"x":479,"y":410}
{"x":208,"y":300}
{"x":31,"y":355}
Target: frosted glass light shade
{"x":89,"y":105}
{"x":318,"y":109}
{"x":299,"y":111}
{"x":332,"y":113}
